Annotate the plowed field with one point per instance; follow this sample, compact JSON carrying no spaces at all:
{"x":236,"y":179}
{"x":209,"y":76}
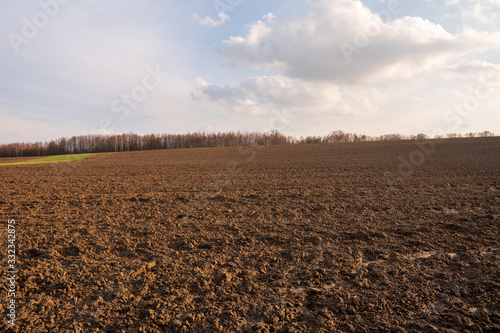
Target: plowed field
{"x":305,"y":238}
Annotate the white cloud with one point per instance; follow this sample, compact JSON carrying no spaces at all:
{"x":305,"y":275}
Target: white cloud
{"x":260,"y":95}
{"x":417,"y":101}
{"x":269,"y":17}
{"x":286,"y":93}
{"x":207,"y":21}
{"x":236,"y":100}
{"x":315,"y":48}
{"x":474,"y":69}
{"x":484,"y":11}
{"x":312,"y":73}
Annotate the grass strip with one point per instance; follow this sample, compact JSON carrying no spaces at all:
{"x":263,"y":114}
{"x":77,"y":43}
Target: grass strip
{"x":53,"y":159}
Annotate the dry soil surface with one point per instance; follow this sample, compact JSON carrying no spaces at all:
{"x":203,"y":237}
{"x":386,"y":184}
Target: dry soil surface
{"x":379,"y":237}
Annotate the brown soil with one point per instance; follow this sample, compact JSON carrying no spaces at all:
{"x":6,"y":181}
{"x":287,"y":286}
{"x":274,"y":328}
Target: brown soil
{"x":307,"y":238}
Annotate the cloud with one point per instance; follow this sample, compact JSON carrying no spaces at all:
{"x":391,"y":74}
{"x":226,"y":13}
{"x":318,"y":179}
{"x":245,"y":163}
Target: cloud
{"x":472,"y":69}
{"x":236,"y":100}
{"x":262,"y":94}
{"x":417,"y":101}
{"x":269,"y":17}
{"x":343,"y":42}
{"x":207,"y":21}
{"x":483,"y":11}
{"x":343,"y":62}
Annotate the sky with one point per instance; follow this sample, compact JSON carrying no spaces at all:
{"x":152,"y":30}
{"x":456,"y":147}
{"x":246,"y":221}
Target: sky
{"x":303,"y":67}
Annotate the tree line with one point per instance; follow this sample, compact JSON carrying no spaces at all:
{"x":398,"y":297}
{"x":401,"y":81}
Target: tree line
{"x":100,"y":143}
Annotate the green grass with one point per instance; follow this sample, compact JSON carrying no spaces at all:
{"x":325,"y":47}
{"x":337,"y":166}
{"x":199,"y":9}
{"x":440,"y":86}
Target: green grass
{"x":53,"y":159}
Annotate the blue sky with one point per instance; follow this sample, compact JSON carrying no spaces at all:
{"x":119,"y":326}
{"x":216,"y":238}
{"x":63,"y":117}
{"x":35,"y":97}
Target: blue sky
{"x":71,"y":67}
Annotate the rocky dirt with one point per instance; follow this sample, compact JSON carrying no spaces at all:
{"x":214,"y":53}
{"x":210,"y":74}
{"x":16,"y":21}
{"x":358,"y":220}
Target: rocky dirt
{"x":309,"y":238}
